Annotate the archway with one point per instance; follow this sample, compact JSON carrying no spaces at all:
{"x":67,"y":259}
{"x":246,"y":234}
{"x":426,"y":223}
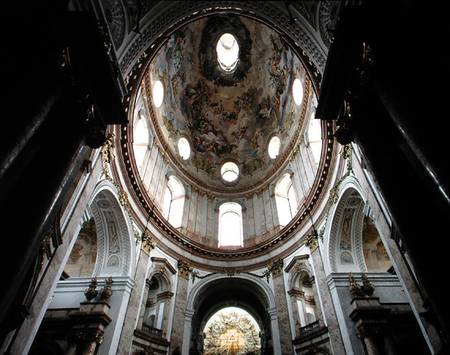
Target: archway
{"x":354,"y":242}
{"x":231,"y":292}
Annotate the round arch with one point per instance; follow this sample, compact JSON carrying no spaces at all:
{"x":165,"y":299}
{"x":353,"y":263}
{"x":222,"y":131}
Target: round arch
{"x":344,"y":232}
{"x":115,"y":253}
{"x":243,"y":291}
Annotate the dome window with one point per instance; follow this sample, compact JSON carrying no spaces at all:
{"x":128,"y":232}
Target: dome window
{"x":158,"y":93}
{"x":286,"y":200}
{"x":229,"y":171}
{"x":297,"y":91}
{"x":230,"y":224}
{"x":274,"y":147}
{"x":184,"y":149}
{"x":314,"y":138}
{"x":227,"y":50}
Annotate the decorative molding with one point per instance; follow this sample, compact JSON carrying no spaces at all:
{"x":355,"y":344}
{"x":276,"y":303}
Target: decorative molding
{"x":299,"y":259}
{"x":178,"y":13}
{"x":184,"y":269}
{"x":148,"y":242}
{"x":276,"y":268}
{"x":164,"y":264}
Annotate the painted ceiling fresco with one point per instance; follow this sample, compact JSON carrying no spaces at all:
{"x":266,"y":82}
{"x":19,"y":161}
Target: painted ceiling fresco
{"x":227,"y":116}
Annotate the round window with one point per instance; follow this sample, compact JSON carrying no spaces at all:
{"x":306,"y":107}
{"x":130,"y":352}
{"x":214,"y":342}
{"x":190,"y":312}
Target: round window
{"x":229,"y":171}
{"x":274,"y":147}
{"x":184,"y":149}
{"x":158,"y":93}
{"x":297,"y":92}
{"x":227,"y":50}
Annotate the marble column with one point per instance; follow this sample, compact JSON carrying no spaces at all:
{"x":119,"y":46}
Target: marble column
{"x":135,"y":303}
{"x":282,"y":307}
{"x":176,"y":339}
{"x":330,"y":316}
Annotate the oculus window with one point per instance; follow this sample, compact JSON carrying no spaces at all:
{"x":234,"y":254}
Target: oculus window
{"x":230,"y":224}
{"x":173,"y":203}
{"x":229,"y":171}
{"x":227,"y":50}
{"x":158,"y":93}
{"x":274,"y":147}
{"x":184,"y":149}
{"x":285,"y":199}
{"x":297,"y":92}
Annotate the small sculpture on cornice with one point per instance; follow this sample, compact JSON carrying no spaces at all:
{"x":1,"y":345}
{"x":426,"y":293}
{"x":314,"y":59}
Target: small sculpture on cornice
{"x":367,"y":286}
{"x":106,"y":291}
{"x":355,"y":289}
{"x":91,"y":292}
{"x":358,"y":291}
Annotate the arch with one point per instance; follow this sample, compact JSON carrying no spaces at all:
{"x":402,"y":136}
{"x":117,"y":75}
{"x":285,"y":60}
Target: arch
{"x":115,"y":253}
{"x":83,"y":256}
{"x":218,"y":291}
{"x":345,"y":237}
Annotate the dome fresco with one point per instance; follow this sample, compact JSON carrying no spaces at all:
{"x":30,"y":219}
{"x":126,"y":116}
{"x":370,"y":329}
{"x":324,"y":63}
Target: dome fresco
{"x":227,"y":116}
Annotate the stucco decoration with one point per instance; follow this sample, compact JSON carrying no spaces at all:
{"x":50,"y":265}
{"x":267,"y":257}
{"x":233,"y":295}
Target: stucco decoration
{"x":113,"y":241}
{"x":227,"y":116}
{"x":327,"y":19}
{"x":115,"y":19}
{"x":346,"y":249}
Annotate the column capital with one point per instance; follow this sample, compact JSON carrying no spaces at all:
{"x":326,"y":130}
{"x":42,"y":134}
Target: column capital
{"x":276,"y":268}
{"x":184,"y":269}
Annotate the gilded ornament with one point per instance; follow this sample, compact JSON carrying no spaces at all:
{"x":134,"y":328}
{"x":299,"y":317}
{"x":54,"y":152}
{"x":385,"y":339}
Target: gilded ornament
{"x":184,"y":269}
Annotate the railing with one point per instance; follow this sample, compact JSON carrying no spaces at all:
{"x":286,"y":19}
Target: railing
{"x":153,"y":331}
{"x":311,"y":330}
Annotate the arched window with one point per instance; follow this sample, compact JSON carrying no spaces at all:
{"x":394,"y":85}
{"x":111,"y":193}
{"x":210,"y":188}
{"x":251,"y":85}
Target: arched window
{"x":285,"y":199}
{"x":140,"y":139}
{"x":174,"y":202}
{"x":314,"y":136}
{"x":230,"y":224}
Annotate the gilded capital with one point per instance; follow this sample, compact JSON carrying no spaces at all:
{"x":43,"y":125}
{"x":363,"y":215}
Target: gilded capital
{"x":148,"y":243}
{"x":276,"y":268}
{"x":184,"y":269}
{"x":312,"y":243}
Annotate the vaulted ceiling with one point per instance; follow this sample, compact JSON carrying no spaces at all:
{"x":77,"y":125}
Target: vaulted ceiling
{"x":227,"y":116}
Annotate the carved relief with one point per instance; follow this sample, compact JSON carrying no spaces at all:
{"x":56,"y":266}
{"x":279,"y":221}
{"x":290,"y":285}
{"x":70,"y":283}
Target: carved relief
{"x":115,"y":19}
